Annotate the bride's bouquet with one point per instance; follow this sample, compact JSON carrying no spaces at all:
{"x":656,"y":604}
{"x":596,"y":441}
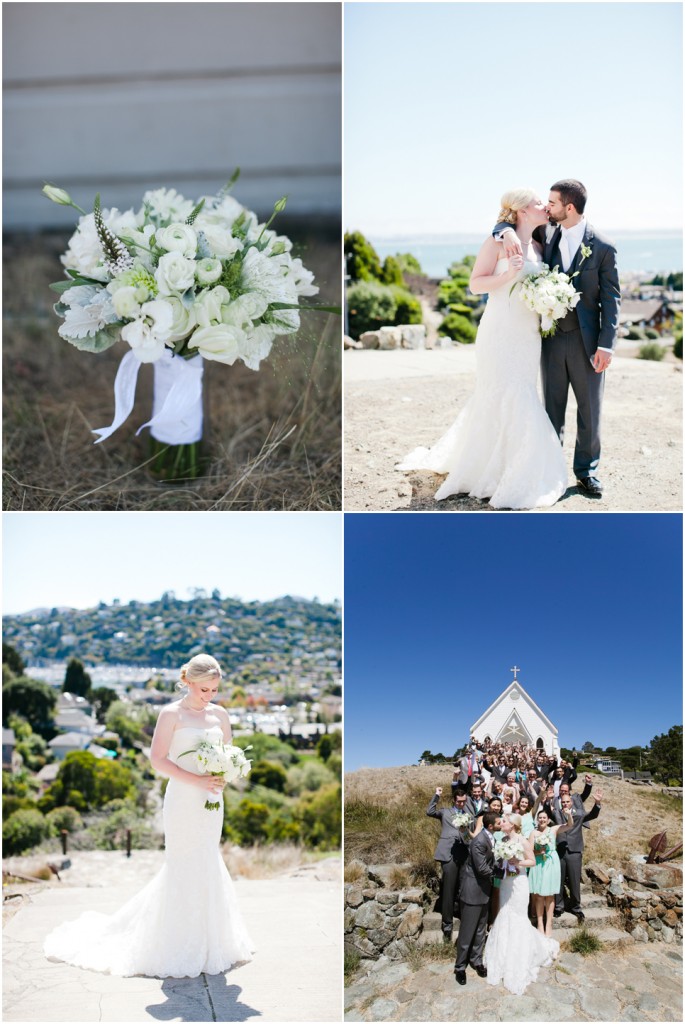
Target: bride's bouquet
{"x":550,"y":294}
{"x":507,"y":850}
{"x":219,"y":759}
{"x":179,"y":281}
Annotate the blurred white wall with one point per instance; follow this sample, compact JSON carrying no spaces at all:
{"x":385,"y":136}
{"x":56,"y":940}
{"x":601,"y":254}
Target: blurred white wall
{"x":121,"y":97}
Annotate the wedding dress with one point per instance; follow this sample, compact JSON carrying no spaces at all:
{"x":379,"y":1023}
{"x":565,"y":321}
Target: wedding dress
{"x":186,"y":921}
{"x":515,"y":950}
{"x":502,"y":445}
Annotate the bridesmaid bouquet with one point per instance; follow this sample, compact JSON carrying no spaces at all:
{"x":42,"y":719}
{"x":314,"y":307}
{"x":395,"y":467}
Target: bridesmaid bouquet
{"x":220,"y":759}
{"x":542,"y":846}
{"x":179,"y":282}
{"x":550,"y":294}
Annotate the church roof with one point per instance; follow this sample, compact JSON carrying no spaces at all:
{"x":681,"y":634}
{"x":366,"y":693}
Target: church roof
{"x":516,"y":685}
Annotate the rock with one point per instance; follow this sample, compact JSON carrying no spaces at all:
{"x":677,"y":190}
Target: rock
{"x":391,"y":974}
{"x":667,"y":934}
{"x":670,"y":918}
{"x":403,"y":995}
{"x":412,"y":895}
{"x":370,"y":339}
{"x":639,"y":934}
{"x":599,"y":1004}
{"x":370,"y":916}
{"x":413,"y":336}
{"x":598,"y":872}
{"x":411,"y":922}
{"x":648,"y":1003}
{"x":386,"y":899}
{"x":381,"y":1009}
{"x":656,"y":924}
{"x":616,"y":888}
{"x":349,"y":919}
{"x":350,"y":342}
{"x":369,"y":894}
{"x":380,"y":937}
{"x":397,"y":949}
{"x":389,"y":337}
{"x":353,"y":895}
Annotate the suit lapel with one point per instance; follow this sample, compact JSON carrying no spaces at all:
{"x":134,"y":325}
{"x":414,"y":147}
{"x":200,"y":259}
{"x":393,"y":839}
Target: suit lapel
{"x":552,"y":250}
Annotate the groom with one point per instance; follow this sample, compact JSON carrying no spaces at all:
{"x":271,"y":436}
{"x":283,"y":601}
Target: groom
{"x":581,"y":348}
{"x":476,"y":884}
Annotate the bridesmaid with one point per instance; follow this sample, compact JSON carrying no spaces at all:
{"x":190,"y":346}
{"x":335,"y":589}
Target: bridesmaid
{"x":544,"y":879}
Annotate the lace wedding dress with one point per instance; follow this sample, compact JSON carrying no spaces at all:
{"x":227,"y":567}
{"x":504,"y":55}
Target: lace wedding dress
{"x":186,"y":921}
{"x":503,"y":445}
{"x":515,"y":950}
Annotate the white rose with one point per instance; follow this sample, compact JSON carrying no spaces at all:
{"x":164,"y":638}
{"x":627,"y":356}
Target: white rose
{"x":178,"y":238}
{"x":125,"y":302}
{"x":208,"y":271}
{"x":207,"y":306}
{"x":221,"y":342}
{"x":147,"y":335}
{"x":175,"y":273}
{"x":183,"y":320}
{"x":219,"y":238}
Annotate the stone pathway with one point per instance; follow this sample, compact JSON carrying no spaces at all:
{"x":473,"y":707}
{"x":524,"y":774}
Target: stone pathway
{"x":630,"y":983}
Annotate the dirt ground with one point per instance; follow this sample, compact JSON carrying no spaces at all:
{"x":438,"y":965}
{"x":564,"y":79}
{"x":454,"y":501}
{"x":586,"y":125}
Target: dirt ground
{"x":396,"y":400}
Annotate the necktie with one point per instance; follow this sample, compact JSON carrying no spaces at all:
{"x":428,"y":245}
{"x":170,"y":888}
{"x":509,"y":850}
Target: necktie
{"x":564,"y":251}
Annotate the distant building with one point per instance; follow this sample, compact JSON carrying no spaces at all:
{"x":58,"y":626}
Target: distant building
{"x":8,"y":744}
{"x":515,"y":718}
{"x":67,"y":743}
{"x":607,"y":766}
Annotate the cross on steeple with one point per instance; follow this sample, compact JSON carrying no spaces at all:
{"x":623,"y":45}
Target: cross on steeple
{"x":515,"y":669}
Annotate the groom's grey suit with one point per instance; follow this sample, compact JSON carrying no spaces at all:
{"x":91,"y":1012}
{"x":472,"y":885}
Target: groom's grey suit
{"x":476,"y":885}
{"x":567,"y":354}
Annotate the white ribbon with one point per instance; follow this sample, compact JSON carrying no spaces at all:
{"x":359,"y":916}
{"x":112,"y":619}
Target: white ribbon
{"x":177,"y":401}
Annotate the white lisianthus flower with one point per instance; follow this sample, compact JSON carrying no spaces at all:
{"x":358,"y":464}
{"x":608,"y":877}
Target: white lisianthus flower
{"x":178,"y":238}
{"x":207,"y":306}
{"x":257,"y":345}
{"x":221,"y":342}
{"x":174,"y":274}
{"x":84,"y":253}
{"x":268,"y":276}
{"x":208,"y":271}
{"x":243,"y":310}
{"x":148,"y":333}
{"x":183,"y":319}
{"x":166,"y":205}
{"x":303,"y":279}
{"x":137,"y":277}
{"x":218,"y":235}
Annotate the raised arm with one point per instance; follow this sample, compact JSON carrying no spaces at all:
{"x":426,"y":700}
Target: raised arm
{"x":433,"y":811}
{"x":483,"y":278}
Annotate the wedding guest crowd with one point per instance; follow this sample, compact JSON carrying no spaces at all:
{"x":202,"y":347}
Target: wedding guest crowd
{"x":512,"y":778}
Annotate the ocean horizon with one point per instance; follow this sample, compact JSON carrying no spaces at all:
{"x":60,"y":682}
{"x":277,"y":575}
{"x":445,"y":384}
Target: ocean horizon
{"x":654,"y":252}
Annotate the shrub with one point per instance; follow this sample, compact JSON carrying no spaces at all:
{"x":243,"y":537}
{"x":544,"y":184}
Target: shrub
{"x":652,"y":351}
{"x":408,"y":309}
{"x":651,"y":333}
{"x":269,"y":774}
{"x":370,"y":305}
{"x":10,"y":804}
{"x":248,"y":822}
{"x":678,"y":347}
{"x":392,"y":273}
{"x":636,"y":334}
{"x":584,"y":941}
{"x":109,"y":828}
{"x":678,"y":335}
{"x":320,"y":816}
{"x":408,"y":263}
{"x":24,"y":829}
{"x":458,"y":328}
{"x":308,"y":777}
{"x":266,"y":748}
{"x":65,"y":818}
{"x":324,"y":748}
{"x":361,"y":259}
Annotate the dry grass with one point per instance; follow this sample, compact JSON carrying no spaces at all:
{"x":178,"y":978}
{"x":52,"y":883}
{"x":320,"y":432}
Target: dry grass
{"x":385,"y":817}
{"x":273,"y":439}
{"x":270,"y":861}
{"x":432,"y":952}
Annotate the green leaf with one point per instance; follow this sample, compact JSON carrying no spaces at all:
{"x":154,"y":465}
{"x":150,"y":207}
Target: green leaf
{"x":195,"y":212}
{"x":63,"y":286}
{"x":99,"y":342}
{"x":303,"y":308}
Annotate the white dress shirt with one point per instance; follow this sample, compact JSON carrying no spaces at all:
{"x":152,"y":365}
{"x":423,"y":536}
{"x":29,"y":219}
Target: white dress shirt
{"x":569,"y":243}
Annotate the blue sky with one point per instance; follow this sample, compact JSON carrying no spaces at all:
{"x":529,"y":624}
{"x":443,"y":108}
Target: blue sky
{"x":440,"y":607}
{"x":447,"y":105}
{"x":77,"y":559}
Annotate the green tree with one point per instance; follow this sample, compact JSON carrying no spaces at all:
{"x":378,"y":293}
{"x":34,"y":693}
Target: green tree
{"x":78,"y":773}
{"x":102,"y":699}
{"x":76,"y":679}
{"x":458,"y":328}
{"x":408,"y":309}
{"x":320,"y":817}
{"x":33,"y":700}
{"x":324,"y":748}
{"x":370,"y":305}
{"x":24,"y":829}
{"x":114,"y":781}
{"x":666,"y":756}
{"x":12,"y":659}
{"x":269,"y":774}
{"x":588,"y":747}
{"x":391,"y":272}
{"x":408,"y":263}
{"x":129,"y":721}
{"x":361,"y":259}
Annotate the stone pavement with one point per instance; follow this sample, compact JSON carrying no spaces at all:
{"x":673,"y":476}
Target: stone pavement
{"x":295,"y":922}
{"x":631,"y":983}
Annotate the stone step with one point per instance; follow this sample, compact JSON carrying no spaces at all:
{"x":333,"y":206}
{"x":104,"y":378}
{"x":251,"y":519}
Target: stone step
{"x":595,"y":917}
{"x":616,"y":935}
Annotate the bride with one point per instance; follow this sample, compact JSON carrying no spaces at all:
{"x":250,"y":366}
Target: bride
{"x":515,"y":950}
{"x":503,"y":446}
{"x":186,"y":921}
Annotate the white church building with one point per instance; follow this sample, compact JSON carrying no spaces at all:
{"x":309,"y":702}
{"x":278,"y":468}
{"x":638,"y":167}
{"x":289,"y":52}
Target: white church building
{"x":515,"y":718}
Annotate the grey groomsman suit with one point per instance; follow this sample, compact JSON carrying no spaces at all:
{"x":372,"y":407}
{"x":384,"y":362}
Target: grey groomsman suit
{"x":570,"y":848}
{"x":452,"y":852}
{"x":476,"y":885}
{"x":567,"y":354}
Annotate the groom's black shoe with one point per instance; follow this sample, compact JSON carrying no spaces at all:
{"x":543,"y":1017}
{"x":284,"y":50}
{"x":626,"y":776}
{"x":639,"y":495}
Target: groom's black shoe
{"x":557,"y":913}
{"x":460,"y":976}
{"x":579,"y":916}
{"x":480,"y":970}
{"x":590,"y":485}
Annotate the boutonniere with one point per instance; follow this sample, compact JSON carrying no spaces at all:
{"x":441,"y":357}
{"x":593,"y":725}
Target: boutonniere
{"x":585,"y":252}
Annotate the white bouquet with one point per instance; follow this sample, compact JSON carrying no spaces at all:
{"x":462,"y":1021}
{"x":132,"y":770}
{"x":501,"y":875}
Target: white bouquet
{"x":550,"y":294}
{"x":543,"y":846}
{"x":461,"y":819}
{"x":508,"y":849}
{"x":178,"y":281}
{"x":219,"y":759}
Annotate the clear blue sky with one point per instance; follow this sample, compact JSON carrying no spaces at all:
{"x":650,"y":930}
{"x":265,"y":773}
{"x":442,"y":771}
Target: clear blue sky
{"x":77,"y":559}
{"x":439,"y":607}
{"x":447,"y":105}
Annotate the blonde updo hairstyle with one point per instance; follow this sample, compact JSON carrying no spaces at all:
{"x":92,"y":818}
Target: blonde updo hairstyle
{"x":512,"y":201}
{"x":202,"y":666}
{"x":515,"y":820}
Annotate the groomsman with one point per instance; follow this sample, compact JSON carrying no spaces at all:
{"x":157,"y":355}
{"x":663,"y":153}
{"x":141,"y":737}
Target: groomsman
{"x":476,"y":804}
{"x":452,"y":852}
{"x":570,"y":848}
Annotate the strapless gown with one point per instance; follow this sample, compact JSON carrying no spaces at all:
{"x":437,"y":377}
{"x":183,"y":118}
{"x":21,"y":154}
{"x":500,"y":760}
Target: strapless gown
{"x":502,"y":446}
{"x":186,"y":921}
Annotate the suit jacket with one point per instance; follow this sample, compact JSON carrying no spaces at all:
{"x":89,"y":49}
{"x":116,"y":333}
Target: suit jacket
{"x":573,"y":841}
{"x":471,"y":806}
{"x":451,"y":844}
{"x":597,"y":281}
{"x":476,"y":879}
